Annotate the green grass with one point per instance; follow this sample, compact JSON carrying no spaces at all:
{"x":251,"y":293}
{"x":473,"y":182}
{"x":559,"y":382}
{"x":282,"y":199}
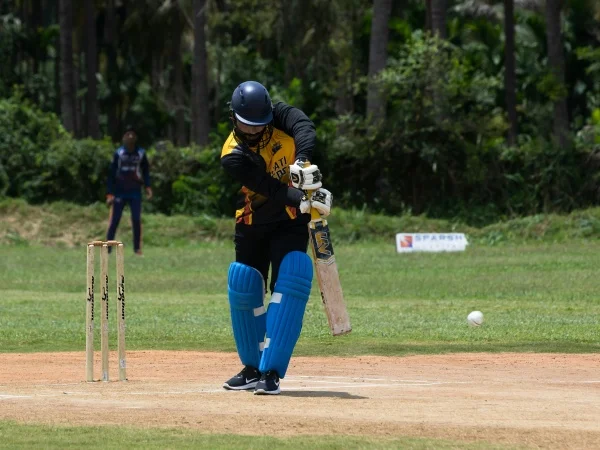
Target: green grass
{"x":535,"y":279}
{"x":535,"y":298}
{"x":17,"y":436}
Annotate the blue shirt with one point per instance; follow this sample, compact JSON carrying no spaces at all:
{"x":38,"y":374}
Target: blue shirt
{"x":128,"y":172}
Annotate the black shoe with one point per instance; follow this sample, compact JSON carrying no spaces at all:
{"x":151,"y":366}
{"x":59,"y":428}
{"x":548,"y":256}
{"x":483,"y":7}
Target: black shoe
{"x":246,"y":379}
{"x":268,"y":384}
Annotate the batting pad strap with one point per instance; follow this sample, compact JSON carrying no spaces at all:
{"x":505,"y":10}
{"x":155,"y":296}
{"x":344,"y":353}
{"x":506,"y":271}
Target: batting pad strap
{"x":248,"y":317}
{"x":286,"y":311}
{"x":294,"y":285}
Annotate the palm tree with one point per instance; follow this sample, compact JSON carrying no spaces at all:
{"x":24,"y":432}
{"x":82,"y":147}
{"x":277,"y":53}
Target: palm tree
{"x":491,"y":11}
{"x":556,"y":61}
{"x":180,"y":136}
{"x":91,"y":63}
{"x":428,"y":15}
{"x":36,"y":23}
{"x":438,"y":17}
{"x":347,"y":15}
{"x":510,"y":77}
{"x":112,"y":77}
{"x":382,"y":10}
{"x":200,"y":104}
{"x":67,"y":86}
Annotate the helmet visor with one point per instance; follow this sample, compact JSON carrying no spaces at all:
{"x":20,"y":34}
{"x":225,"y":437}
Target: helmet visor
{"x":265,"y":121}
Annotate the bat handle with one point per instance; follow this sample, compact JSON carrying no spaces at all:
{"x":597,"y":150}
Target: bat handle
{"x":314,"y":215}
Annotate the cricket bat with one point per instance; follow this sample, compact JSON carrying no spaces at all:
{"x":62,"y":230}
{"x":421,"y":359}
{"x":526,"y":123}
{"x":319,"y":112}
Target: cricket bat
{"x":327,"y":275}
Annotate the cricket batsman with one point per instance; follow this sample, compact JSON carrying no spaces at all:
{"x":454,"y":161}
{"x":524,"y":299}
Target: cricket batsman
{"x":269,"y":153}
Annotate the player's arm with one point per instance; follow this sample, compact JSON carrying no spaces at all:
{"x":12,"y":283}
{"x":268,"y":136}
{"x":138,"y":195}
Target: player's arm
{"x":304,"y":176}
{"x":249,"y":169}
{"x":112,"y":177}
{"x":145,"y":166}
{"x":296,"y":124}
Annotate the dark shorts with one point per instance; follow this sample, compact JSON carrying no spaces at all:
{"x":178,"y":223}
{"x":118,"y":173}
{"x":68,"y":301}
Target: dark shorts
{"x":259,"y":246}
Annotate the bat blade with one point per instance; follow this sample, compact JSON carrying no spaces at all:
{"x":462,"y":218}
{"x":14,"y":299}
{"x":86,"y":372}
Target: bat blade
{"x":328,"y":276}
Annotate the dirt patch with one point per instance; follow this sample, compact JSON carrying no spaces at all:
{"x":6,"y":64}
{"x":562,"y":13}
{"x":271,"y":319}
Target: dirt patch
{"x":42,"y":227}
{"x":533,"y":400}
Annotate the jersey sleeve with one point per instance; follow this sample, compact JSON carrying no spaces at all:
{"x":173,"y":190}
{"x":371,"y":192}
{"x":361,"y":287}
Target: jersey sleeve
{"x":112,"y":174}
{"x":296,"y":124}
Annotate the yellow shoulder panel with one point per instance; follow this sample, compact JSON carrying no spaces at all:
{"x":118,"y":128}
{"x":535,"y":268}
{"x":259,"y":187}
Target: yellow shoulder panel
{"x":229,"y":145}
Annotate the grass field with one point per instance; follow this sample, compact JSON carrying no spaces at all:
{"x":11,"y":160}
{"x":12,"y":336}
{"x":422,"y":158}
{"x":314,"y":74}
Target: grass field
{"x":536,"y":297}
{"x":15,"y":436}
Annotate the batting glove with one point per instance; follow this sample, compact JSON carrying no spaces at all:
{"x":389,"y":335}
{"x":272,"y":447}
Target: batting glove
{"x":305,"y":176}
{"x":321,"y":200}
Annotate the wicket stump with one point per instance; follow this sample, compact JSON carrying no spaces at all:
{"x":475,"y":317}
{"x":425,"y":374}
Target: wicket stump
{"x":89,"y":313}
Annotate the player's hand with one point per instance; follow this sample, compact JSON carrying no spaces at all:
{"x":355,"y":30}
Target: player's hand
{"x":305,"y":176}
{"x":110,"y":199}
{"x":148,"y":192}
{"x":305,"y":205}
{"x":321,"y":200}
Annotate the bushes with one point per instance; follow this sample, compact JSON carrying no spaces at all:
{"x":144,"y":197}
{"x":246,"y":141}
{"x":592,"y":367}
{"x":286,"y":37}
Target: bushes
{"x":436,"y":150}
{"x":441,"y":149}
{"x":190,"y":180}
{"x":74,"y":170}
{"x":40,"y":162}
{"x":440,"y":152}
{"x":26,"y":135}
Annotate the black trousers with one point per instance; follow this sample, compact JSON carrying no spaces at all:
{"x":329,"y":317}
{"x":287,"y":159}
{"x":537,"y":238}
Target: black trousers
{"x":259,"y":246}
{"x":116,"y":211}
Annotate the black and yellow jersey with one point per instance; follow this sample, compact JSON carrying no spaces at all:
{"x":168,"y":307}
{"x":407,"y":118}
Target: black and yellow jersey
{"x":266,"y":195}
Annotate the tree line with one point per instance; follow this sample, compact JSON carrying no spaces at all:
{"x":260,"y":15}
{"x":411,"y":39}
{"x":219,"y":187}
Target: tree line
{"x":475,"y":108}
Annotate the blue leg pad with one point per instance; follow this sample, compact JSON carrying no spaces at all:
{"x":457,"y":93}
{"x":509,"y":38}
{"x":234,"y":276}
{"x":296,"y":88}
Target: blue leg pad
{"x":248,"y":316}
{"x":286,"y":311}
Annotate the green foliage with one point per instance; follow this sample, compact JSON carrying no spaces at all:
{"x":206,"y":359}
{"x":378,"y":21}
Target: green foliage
{"x":190,"y":180}
{"x":587,"y":139}
{"x":40,"y":162}
{"x":292,"y":95}
{"x":11,"y":31}
{"x":436,"y":143}
{"x":26,"y":136}
{"x":542,"y":176}
{"x":4,"y":181}
{"x":74,"y":170}
{"x":440,"y":152}
{"x":147,"y":113}
{"x":43,"y":162}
